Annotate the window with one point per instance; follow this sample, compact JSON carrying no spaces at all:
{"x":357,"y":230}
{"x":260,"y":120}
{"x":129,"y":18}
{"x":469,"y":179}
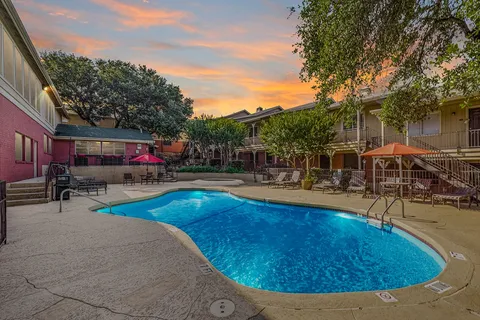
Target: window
{"x":50,"y":143}
{"x":87,"y":147}
{"x":26,"y":82}
{"x":352,"y":124}
{"x":113,"y":148}
{"x":8,"y":58}
{"x":429,"y":126}
{"x":28,"y":149}
{"x":18,"y":146}
{"x":45,"y":143}
{"x":33,"y":89}
{"x":18,"y":71}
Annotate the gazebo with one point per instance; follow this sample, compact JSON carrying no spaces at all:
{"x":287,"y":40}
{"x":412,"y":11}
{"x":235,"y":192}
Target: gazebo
{"x":396,"y":152}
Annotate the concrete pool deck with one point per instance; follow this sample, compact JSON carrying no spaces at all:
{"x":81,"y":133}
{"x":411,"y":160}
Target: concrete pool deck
{"x":82,"y":265}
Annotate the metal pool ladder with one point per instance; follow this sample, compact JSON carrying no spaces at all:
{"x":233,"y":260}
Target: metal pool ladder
{"x":388,"y":206}
{"x":80,"y":194}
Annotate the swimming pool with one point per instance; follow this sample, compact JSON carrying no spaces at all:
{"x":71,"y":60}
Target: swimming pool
{"x":291,"y":249}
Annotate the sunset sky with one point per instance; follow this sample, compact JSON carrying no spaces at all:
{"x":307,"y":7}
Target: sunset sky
{"x":226,"y":55}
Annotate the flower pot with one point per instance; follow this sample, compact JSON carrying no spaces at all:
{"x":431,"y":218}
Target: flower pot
{"x":307,"y":184}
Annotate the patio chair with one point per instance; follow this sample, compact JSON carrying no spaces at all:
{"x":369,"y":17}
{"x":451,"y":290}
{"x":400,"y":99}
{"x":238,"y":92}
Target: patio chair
{"x":146,"y":177}
{"x":332,"y":185}
{"x":421,"y":187}
{"x":458,"y":195}
{"x":294,"y":181}
{"x":128,"y":178}
{"x":160,"y":177}
{"x":357,"y":183}
{"x":281,"y":176}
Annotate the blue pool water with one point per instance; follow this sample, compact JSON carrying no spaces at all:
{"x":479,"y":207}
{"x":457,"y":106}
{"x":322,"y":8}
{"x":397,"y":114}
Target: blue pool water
{"x":289,"y":248}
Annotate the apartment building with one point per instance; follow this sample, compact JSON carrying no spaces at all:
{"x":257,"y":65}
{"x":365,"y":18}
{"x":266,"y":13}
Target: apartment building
{"x":30,"y":107}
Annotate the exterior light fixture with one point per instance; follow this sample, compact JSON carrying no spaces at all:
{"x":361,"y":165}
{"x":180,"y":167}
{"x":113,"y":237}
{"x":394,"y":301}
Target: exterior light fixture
{"x":45,"y":88}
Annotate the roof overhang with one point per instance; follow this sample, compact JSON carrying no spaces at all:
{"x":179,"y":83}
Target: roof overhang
{"x":102,"y":139}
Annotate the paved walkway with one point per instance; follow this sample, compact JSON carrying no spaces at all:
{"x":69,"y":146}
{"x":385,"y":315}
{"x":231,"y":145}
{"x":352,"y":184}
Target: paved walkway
{"x":84,"y":265}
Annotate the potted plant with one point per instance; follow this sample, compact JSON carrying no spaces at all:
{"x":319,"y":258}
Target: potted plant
{"x":307,"y":182}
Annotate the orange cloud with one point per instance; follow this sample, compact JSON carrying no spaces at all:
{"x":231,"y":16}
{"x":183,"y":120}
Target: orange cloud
{"x":193,"y":72}
{"x":140,"y":16}
{"x":71,"y":43}
{"x":56,"y":11}
{"x":248,"y":51}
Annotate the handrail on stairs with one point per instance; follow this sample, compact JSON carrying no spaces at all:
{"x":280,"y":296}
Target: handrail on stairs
{"x":389,"y":206}
{"x":376,"y":200}
{"x":80,"y":194}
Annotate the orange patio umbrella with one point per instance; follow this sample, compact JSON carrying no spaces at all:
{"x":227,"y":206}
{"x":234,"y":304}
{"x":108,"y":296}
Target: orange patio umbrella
{"x":395,"y":149}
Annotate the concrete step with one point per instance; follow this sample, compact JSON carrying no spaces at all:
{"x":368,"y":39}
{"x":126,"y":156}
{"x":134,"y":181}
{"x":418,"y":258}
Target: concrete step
{"x":15,"y":203}
{"x":25,"y":190}
{"x":25,"y":196}
{"x":26,"y":185}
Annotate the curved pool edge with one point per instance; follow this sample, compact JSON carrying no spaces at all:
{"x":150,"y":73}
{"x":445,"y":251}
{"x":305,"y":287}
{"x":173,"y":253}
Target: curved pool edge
{"x":456,"y":273}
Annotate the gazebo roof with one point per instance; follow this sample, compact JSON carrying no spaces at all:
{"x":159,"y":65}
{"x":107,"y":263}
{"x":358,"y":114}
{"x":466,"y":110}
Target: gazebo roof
{"x":395,"y":149}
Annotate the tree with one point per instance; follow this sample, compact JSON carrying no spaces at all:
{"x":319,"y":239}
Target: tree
{"x":135,"y":96}
{"x":228,"y":135}
{"x":77,"y":82}
{"x":430,"y":48}
{"x":198,"y":132}
{"x":299,"y":135}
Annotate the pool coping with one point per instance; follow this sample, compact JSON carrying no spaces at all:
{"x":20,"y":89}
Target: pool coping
{"x":456,"y":273}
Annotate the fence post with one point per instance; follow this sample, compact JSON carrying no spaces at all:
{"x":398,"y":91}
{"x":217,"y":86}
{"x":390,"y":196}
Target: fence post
{"x":3,"y":212}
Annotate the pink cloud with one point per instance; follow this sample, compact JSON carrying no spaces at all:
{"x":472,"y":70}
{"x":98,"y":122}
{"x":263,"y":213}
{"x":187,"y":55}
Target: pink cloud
{"x":141,"y":16}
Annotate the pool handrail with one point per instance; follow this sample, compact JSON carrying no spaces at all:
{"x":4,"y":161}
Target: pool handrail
{"x":376,"y":200}
{"x":80,"y":194}
{"x":389,"y":206}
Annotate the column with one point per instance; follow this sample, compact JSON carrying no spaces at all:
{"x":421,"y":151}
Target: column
{"x":383,"y":133}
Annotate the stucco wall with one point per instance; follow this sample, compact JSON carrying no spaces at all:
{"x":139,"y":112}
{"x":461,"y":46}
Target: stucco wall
{"x":13,"y":120}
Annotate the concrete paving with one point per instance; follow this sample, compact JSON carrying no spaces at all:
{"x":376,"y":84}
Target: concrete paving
{"x":84,"y":265}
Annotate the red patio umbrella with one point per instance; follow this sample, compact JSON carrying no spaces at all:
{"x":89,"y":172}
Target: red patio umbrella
{"x":147,"y":158}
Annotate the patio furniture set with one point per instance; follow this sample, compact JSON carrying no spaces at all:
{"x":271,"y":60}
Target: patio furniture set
{"x":128,"y":178}
{"x":88,"y":184}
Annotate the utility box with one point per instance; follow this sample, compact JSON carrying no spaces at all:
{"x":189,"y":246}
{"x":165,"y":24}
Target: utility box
{"x":63,"y":182}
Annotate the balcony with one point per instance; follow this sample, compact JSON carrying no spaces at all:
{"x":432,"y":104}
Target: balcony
{"x":253,"y":141}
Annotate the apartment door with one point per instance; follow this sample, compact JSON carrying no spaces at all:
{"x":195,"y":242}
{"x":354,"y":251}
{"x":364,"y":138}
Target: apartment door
{"x":35,"y":159}
{"x":474,"y":127}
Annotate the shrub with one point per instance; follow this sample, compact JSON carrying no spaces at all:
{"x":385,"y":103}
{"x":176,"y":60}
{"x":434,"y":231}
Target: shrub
{"x":199,"y":169}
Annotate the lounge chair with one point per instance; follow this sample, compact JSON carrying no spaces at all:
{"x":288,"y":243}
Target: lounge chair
{"x":357,"y":183}
{"x":160,"y":177}
{"x":281,"y":176}
{"x":421,"y":187}
{"x":458,"y":195}
{"x":146,"y":177}
{"x":332,"y":185}
{"x":294,"y":181}
{"x":128,"y":178}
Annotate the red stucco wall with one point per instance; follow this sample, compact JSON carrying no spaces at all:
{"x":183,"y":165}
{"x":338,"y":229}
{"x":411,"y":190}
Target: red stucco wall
{"x":12,"y":120}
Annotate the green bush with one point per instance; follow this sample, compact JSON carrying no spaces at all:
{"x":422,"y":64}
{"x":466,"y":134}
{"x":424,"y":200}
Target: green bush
{"x":199,"y":169}
{"x":233,"y":170}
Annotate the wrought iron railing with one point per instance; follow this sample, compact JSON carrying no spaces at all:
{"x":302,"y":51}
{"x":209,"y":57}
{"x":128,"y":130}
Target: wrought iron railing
{"x":54,"y":169}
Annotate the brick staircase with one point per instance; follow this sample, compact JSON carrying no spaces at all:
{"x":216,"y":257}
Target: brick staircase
{"x":20,"y":194}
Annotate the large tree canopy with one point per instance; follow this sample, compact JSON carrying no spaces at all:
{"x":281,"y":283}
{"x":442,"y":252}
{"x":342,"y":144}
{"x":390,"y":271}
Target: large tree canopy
{"x":432,"y":49}
{"x":299,"y":135}
{"x":135,"y":96}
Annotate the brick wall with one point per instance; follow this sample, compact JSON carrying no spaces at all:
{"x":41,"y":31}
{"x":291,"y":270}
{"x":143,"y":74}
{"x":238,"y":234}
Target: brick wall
{"x":13,"y":120}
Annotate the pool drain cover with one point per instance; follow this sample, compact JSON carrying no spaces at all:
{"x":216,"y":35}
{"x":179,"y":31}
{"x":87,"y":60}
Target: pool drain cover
{"x":222,"y":308}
